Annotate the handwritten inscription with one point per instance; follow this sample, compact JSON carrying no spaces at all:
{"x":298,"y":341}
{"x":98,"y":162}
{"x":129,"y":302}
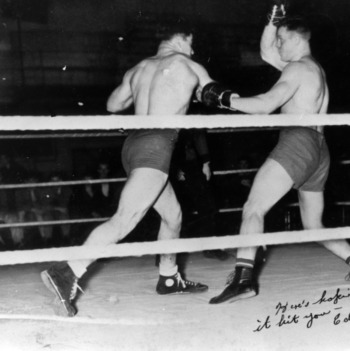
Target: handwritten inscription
{"x":334,"y":299}
{"x":288,"y":314}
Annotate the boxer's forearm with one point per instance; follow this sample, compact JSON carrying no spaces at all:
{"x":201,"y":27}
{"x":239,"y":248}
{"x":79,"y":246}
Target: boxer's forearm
{"x":268,"y":48}
{"x":268,"y":42}
{"x":253,"y":105}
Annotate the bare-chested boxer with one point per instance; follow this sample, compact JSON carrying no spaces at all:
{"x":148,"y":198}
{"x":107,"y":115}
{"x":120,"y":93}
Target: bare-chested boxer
{"x":159,"y":85}
{"x":301,"y":158}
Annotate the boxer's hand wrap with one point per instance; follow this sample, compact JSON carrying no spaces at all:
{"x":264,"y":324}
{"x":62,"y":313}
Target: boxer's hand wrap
{"x":216,"y":95}
{"x":277,"y":14}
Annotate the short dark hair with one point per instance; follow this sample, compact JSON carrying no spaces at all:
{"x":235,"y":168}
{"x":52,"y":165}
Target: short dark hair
{"x":297,"y":24}
{"x":175,"y":26}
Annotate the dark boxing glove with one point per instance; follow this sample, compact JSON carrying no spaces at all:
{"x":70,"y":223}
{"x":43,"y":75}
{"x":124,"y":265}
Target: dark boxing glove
{"x":216,"y":95}
{"x":277,"y":13}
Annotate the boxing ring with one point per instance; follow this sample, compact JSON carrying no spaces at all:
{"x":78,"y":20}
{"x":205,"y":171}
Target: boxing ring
{"x":303,"y":300}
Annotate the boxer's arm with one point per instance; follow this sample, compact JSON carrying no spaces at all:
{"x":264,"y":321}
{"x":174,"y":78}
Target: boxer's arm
{"x":121,"y":97}
{"x":276,"y":97}
{"x":202,"y":75}
{"x":268,"y":47}
{"x":207,"y":171}
{"x":268,"y":43}
{"x":209,"y":92}
{"x":201,"y":145}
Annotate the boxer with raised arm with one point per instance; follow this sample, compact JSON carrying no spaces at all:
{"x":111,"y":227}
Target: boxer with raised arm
{"x":159,"y":85}
{"x":301,"y":158}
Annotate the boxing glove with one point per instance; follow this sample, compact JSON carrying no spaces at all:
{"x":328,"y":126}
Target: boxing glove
{"x":216,"y":95}
{"x":277,"y":13}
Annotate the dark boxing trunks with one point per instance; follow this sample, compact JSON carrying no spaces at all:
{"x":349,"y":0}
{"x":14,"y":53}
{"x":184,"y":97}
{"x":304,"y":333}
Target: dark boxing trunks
{"x":304,"y":154}
{"x":151,"y":148}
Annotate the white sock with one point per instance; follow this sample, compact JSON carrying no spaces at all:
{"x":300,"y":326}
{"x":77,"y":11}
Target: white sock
{"x":167,"y":271}
{"x":78,"y":268}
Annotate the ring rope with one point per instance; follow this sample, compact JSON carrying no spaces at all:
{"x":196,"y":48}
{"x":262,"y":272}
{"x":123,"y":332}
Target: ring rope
{"x":113,"y":122}
{"x":100,"y":181}
{"x":121,"y":133}
{"x":111,"y":180}
{"x":239,"y":130}
{"x":171,"y":246}
{"x":62,"y":183}
{"x":62,"y":135}
{"x":82,"y":220}
{"x":56,"y":222}
{"x":236,"y":171}
{"x":229,"y":210}
{"x":103,"y":219}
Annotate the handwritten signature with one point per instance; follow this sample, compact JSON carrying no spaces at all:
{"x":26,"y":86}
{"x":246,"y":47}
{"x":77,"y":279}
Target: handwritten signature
{"x":289,"y":314}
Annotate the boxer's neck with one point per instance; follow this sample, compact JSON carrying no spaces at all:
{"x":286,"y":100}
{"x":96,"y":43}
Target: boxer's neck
{"x":167,"y":48}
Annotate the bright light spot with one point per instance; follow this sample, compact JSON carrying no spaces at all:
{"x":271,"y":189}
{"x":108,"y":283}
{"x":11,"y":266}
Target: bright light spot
{"x":120,"y":38}
{"x":3,"y":78}
{"x":80,"y":103}
{"x":64,"y":68}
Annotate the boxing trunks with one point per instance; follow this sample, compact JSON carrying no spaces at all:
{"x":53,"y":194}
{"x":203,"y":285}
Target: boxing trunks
{"x":149,"y":148}
{"x":304,"y":154}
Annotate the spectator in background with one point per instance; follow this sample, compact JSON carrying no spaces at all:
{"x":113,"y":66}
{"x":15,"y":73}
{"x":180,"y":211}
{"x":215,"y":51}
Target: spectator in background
{"x":82,"y":200}
{"x":82,"y":205}
{"x":105,"y":194}
{"x":11,"y":172}
{"x":54,"y":202}
{"x":192,"y":183}
{"x":244,"y":181}
{"x":29,"y":205}
{"x":13,"y":238}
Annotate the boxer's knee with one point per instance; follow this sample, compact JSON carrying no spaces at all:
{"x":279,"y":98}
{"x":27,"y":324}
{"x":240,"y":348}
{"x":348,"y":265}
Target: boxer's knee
{"x":253,"y":208}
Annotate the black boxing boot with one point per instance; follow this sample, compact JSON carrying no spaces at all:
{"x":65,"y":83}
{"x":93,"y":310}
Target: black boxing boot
{"x":174,"y":284}
{"x":63,"y":283}
{"x":240,"y":286}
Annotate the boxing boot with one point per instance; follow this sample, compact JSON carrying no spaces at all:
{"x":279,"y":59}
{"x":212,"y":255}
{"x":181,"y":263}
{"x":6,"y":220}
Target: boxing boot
{"x":239,"y":286}
{"x":174,"y":284}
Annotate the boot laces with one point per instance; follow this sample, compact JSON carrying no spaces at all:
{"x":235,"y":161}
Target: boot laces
{"x":74,"y":289}
{"x":183,"y":282}
{"x":230,"y":278}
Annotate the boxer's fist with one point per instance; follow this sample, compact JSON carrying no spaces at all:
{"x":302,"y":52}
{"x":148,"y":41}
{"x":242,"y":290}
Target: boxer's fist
{"x":277,"y":13}
{"x":215,"y":95}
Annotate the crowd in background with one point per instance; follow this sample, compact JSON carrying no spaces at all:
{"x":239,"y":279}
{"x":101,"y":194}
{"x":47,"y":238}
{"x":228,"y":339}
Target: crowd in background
{"x":200,"y":194}
{"x":51,"y":203}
